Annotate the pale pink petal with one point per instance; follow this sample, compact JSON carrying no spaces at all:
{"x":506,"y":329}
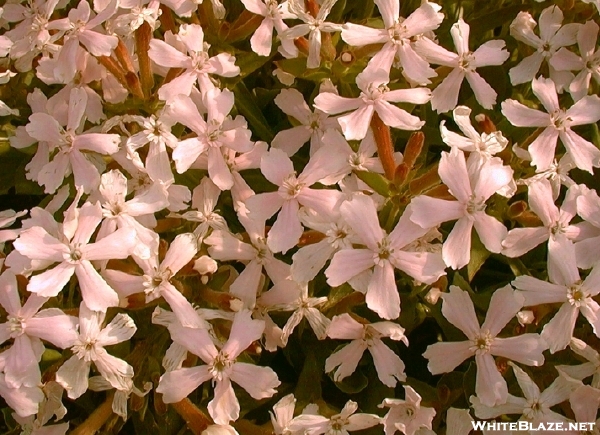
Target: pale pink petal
{"x":490,"y":386}
{"x":24,"y":400}
{"x":181,"y":85}
{"x":445,"y":96}
{"x":558,"y":332}
{"x":454,"y":174}
{"x":178,"y":384}
{"x":51,"y":282}
{"x":526,"y":70}
{"x":525,"y":349}
{"x":545,"y":90}
{"x":99,"y":142}
{"x":396,"y":117}
{"x":246,"y":284}
{"x":356,"y":124}
{"x":424,"y":267}
{"x":388,"y":365}
{"x":218,"y":170}
{"x":459,"y":310}
{"x":504,"y":305}
{"x":357,"y":35}
{"x":196,"y":340}
{"x":323,"y":201}
{"x":181,"y":307}
{"x":116,"y":371}
{"x":346,"y":359}
{"x":456,"y":250}
{"x":484,"y":93}
{"x":225,"y":247}
{"x":429,"y":212}
{"x":244,"y":331}
{"x":22,"y":364}
{"x":491,"y":231}
{"x":166,"y":55}
{"x":276,"y":166}
{"x":287,"y":229}
{"x":389,"y":10}
{"x":264,"y":205}
{"x":542,"y":149}
{"x":537,"y":292}
{"x":9,"y":294}
{"x":259,"y":382}
{"x":344,"y":327}
{"x":541,"y":202}
{"x":182,"y":250}
{"x":490,"y":53}
{"x":519,"y":241}
{"x":96,"y":293}
{"x":331,"y":103}
{"x":520,"y":115}
{"x":585,"y":155}
{"x":414,"y":66}
{"x":361,"y":215}
{"x":382,"y":294}
{"x":562,"y":266}
{"x":117,"y":245}
{"x":445,"y":357}
{"x":383,"y":59}
{"x":73,"y":376}
{"x":348,"y":263}
{"x":120,"y":328}
{"x":36,"y":244}
{"x":225,"y":406}
{"x":291,"y":101}
{"x":291,"y":140}
{"x":261,"y":40}
{"x":53,"y":326}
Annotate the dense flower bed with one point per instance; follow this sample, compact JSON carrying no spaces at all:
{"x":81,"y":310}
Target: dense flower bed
{"x":300,"y":217}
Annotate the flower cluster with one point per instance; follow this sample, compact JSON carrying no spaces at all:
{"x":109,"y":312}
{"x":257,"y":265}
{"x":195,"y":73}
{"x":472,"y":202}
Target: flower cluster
{"x":185,"y":232}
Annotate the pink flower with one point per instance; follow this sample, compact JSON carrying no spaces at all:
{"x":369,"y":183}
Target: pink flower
{"x":552,"y":37}
{"x":89,"y":346}
{"x":445,"y":95}
{"x":382,"y":253}
{"x":472,"y":189}
{"x":397,"y":37}
{"x":389,"y":366}
{"x":557,"y":123}
{"x":293,"y":192}
{"x":74,"y":253}
{"x":375,"y":96}
{"x":191,"y":55}
{"x":406,"y":415}
{"x":221,"y":367}
{"x":566,"y":288}
{"x":483,"y":341}
{"x":218,"y":131}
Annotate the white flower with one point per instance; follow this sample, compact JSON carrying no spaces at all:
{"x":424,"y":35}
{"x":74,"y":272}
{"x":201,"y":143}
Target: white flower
{"x":483,"y":341}
{"x":89,"y":346}
{"x":222,"y":367}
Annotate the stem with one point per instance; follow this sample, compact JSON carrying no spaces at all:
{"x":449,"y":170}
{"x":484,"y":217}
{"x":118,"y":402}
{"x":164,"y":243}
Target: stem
{"x":114,"y":68}
{"x":166,"y":19}
{"x":142,"y":44}
{"x":385,"y":148}
{"x":196,"y":420}
{"x":96,"y":419}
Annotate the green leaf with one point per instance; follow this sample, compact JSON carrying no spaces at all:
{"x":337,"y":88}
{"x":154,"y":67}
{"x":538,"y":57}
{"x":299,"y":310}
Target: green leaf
{"x":352,"y":384}
{"x":479,"y":254}
{"x":377,"y":182}
{"x":248,"y":62}
{"x":244,"y":101}
{"x":309,"y":382}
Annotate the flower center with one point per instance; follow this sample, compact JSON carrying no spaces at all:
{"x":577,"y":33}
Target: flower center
{"x":482,"y":343}
{"x":16,"y":326}
{"x":290,"y":188}
{"x":85,"y":350}
{"x":220,"y":366}
{"x":475,"y":204}
{"x":384,"y":253}
{"x":397,"y":33}
{"x":577,"y":295}
{"x":560,"y":120}
{"x":75,"y":255}
{"x":465,"y":60}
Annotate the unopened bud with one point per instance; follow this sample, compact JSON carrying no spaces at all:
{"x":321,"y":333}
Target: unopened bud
{"x":205,"y":266}
{"x":433,"y":295}
{"x":236,"y":305}
{"x":525,"y":317}
{"x":485,"y":123}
